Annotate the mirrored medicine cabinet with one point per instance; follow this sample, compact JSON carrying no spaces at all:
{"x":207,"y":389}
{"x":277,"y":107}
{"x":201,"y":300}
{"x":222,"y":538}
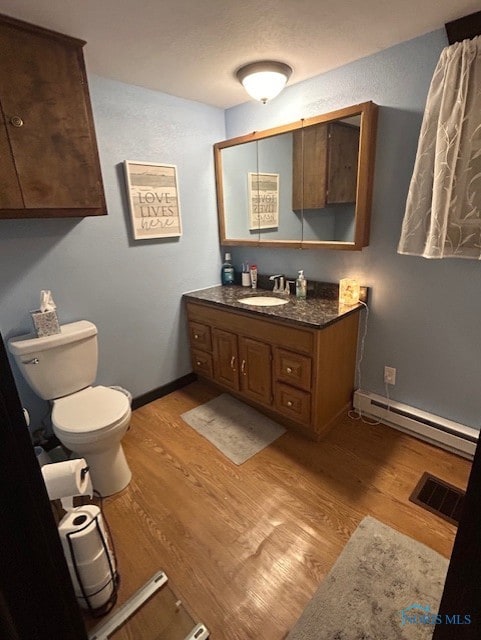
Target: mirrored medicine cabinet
{"x":307,"y":184}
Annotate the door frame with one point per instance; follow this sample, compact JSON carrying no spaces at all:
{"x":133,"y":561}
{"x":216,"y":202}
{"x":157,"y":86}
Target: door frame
{"x":37,"y":599}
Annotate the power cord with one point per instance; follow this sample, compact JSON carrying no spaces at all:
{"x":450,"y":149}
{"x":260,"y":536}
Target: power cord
{"x":356,"y":414}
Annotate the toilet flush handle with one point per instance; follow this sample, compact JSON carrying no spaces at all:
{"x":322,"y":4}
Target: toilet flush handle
{"x":32,"y":361}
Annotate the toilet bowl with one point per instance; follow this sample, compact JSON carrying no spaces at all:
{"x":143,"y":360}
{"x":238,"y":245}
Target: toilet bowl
{"x":88,"y":420}
{"x":91,"y":423}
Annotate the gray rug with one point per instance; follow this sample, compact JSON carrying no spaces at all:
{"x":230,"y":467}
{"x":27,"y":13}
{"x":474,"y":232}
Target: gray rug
{"x":237,"y":430}
{"x":370,"y":591}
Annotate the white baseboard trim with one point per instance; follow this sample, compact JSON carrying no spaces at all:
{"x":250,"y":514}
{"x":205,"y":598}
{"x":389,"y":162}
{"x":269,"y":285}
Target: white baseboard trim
{"x":443,"y":433}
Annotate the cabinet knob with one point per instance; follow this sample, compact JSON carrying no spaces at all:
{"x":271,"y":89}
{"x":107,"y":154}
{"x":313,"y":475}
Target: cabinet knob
{"x":16,"y":121}
{"x":232,"y":363}
{"x":198,"y":363}
{"x":289,"y":403}
{"x":196,"y":336}
{"x":289,"y":370}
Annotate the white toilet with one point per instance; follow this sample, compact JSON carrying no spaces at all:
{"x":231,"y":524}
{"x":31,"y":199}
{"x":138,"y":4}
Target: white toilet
{"x":88,"y":420}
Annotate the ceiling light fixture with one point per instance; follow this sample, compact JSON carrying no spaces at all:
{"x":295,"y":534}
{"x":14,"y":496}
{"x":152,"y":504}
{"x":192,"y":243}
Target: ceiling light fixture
{"x":264,"y":80}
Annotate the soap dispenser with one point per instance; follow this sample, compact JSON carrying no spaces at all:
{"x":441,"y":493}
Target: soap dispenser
{"x":301,"y":286}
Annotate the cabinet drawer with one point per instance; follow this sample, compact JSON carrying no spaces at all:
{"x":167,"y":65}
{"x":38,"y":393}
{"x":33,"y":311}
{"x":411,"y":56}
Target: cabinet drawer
{"x":200,"y":336}
{"x":293,"y":403}
{"x":202,"y":363}
{"x":293,"y":368}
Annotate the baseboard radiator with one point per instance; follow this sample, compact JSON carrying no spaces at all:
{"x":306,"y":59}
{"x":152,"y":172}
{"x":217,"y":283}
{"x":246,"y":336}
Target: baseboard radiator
{"x":443,"y":433}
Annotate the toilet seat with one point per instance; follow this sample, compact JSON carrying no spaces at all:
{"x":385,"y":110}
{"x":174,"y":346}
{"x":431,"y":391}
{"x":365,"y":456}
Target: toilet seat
{"x":93,"y":410}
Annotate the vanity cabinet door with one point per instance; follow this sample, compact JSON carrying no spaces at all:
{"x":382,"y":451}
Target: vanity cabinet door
{"x":255,"y":370}
{"x":47,"y":133}
{"x":226,"y":358}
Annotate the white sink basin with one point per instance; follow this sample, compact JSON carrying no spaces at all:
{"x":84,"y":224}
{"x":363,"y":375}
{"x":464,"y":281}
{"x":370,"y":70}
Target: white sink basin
{"x":263,"y":301}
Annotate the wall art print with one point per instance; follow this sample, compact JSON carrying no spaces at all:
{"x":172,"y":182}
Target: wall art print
{"x":153,"y":195}
{"x":263,"y":200}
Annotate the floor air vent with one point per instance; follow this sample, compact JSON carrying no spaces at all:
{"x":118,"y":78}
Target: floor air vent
{"x":439,"y":497}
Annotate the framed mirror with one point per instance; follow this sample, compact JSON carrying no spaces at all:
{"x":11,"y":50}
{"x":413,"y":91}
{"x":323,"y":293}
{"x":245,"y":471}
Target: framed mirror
{"x":307,"y":184}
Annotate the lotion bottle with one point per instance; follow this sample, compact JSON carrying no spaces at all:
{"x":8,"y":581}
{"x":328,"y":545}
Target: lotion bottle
{"x":301,"y":286}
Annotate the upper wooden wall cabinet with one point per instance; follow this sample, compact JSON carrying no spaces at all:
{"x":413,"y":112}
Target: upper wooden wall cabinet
{"x":324,"y":167}
{"x":50,"y":165}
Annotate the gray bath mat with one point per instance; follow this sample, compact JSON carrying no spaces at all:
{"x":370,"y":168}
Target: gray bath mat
{"x":383,"y":586}
{"x":237,"y":430}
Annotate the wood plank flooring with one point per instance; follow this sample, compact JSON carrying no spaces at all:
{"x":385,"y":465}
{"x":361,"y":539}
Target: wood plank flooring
{"x":245,"y":547}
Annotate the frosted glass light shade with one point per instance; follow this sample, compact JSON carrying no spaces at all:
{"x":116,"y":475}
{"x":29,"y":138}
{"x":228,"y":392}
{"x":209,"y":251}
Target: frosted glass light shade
{"x":264,"y":80}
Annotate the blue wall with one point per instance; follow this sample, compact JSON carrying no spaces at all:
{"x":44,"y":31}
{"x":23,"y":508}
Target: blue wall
{"x":130,"y":289}
{"x":425,"y":315}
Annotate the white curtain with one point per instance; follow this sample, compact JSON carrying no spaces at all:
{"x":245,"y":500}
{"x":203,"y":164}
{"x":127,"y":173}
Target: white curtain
{"x":443,"y":209}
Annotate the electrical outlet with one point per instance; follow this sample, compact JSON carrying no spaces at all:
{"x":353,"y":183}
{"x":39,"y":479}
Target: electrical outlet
{"x":390,"y":375}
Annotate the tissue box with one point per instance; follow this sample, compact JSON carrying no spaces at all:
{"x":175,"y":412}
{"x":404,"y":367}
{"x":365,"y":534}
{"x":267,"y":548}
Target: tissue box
{"x":45,"y":323}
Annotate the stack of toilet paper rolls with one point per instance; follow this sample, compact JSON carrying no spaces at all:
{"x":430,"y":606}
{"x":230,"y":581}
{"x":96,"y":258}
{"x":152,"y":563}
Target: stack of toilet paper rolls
{"x":89,"y":556}
{"x":85,"y":541}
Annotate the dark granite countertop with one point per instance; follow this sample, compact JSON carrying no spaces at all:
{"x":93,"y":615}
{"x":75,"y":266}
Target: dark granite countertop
{"x":316,"y":312}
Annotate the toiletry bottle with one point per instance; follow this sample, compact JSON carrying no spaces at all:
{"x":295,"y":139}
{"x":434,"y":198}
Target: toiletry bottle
{"x":227,"y":271}
{"x":246,"y":276}
{"x":253,"y":272}
{"x":301,"y":286}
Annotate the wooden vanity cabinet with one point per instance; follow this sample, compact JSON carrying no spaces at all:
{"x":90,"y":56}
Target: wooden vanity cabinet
{"x":325,"y":161}
{"x":297,"y":375}
{"x":50,"y":164}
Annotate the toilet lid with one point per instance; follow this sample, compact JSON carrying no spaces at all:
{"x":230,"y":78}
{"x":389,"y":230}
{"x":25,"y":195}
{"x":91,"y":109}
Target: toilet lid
{"x":91,"y":409}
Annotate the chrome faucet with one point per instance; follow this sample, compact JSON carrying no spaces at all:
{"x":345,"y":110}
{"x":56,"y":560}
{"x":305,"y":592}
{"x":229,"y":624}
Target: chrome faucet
{"x":278,"y":284}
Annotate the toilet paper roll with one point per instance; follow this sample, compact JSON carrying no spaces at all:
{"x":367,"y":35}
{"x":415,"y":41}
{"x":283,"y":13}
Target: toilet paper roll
{"x":69,"y":478}
{"x":91,"y":574}
{"x":97,"y":596}
{"x":80,"y":526}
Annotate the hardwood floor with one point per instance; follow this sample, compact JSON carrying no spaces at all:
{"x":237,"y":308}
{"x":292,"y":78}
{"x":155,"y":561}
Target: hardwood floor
{"x":245,"y":547}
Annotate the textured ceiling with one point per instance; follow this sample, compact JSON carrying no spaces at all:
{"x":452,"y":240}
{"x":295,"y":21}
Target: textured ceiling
{"x":192,"y":48}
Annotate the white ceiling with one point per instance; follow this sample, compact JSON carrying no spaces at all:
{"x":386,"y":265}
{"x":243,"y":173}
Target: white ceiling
{"x":192,"y":48}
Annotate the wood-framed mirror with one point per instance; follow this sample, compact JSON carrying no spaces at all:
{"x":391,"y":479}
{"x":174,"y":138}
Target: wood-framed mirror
{"x":307,"y":184}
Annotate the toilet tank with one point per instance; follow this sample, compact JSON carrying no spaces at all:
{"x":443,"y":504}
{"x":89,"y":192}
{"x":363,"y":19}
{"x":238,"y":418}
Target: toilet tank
{"x":58,"y":365}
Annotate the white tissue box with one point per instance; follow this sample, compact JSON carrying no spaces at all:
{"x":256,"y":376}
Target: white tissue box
{"x":45,"y":323}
